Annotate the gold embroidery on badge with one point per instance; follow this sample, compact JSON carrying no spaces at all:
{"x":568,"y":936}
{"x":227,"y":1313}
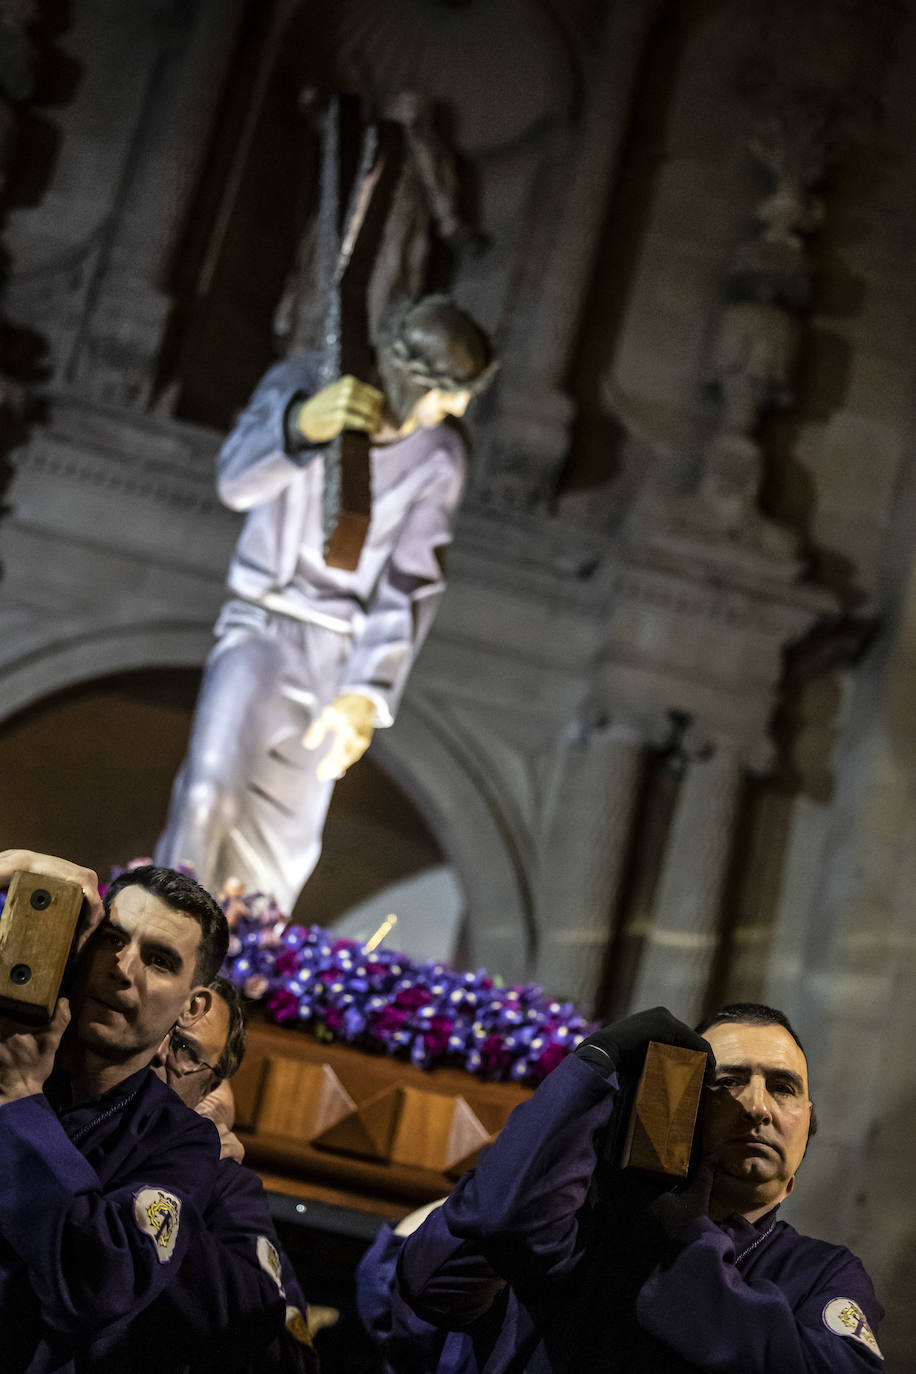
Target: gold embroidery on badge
{"x":297,"y":1326}
{"x":158,"y":1214}
{"x":846,"y":1318}
{"x":269,"y":1260}
{"x":163,"y":1218}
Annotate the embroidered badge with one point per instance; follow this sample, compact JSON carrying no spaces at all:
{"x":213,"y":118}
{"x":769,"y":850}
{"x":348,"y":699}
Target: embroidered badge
{"x":269,"y":1260}
{"x":297,"y":1326}
{"x":846,"y":1318}
{"x":158,"y":1214}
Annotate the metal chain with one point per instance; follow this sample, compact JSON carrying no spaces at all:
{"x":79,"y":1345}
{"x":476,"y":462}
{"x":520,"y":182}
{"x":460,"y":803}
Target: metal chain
{"x":754,"y":1243}
{"x":97,"y":1120}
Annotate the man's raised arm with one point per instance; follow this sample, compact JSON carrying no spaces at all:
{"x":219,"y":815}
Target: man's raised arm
{"x":519,"y":1210}
{"x":95,"y":1254}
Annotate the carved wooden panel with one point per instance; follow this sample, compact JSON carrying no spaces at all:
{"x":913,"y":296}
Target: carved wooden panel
{"x":436,"y":1130}
{"x":367,"y":1131}
{"x":365,"y":1125}
{"x":301,"y":1100}
{"x":660,"y":1135}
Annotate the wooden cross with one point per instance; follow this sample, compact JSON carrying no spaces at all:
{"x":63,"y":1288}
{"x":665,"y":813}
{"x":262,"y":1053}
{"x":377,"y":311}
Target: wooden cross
{"x":360,"y":169}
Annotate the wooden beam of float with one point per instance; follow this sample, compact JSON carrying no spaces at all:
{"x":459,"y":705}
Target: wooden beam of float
{"x":660,"y":1133}
{"x":36,"y":934}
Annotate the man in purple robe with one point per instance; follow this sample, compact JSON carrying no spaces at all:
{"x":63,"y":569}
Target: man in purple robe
{"x":104,"y":1173}
{"x":126,"y":1241}
{"x":548,"y":1258}
{"x":236,"y":1304}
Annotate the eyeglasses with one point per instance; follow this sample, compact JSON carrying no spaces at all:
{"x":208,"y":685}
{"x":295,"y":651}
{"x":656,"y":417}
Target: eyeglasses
{"x":185,"y":1058}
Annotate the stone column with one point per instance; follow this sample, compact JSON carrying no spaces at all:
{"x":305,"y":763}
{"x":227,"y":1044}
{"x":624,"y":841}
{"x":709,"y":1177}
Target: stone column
{"x":584,"y":857}
{"x":118,"y":344}
{"x":18,"y":60}
{"x":681,"y":940}
{"x":536,"y":413}
{"x":853,"y":1003}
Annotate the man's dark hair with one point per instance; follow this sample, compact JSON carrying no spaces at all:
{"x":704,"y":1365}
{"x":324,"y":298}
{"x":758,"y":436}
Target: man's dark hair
{"x":183,"y":894}
{"x":750,"y":1014}
{"x":234,"y":1049}
{"x":754,"y":1014}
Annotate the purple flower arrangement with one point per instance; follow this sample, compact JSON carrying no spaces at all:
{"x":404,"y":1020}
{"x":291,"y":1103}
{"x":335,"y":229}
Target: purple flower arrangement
{"x":380,"y":1000}
{"x":384,"y":1001}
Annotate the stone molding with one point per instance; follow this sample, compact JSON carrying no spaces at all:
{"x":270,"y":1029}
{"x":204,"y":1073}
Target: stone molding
{"x":542,"y":631}
{"x":126,"y":455}
{"x":517,"y":569}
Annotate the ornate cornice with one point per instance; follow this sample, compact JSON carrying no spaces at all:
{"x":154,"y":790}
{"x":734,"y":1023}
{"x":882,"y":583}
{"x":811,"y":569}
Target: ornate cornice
{"x":127,"y":455}
{"x":549,"y":563}
{"x":568,"y":570}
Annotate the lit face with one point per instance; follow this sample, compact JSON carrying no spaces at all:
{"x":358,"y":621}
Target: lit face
{"x":137,"y":977}
{"x":757,"y":1116}
{"x":432,"y":408}
{"x":204,"y":1041}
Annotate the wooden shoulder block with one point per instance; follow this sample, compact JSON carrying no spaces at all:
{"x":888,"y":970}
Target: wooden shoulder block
{"x":37,"y":926}
{"x":660,"y":1134}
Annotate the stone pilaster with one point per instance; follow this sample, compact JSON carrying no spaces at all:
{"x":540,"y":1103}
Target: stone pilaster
{"x":530,"y":444}
{"x":583,"y":859}
{"x":129,"y":300}
{"x":681,"y":940}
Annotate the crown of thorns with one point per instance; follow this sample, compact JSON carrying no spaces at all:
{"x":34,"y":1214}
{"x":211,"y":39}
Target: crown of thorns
{"x":417,"y":369}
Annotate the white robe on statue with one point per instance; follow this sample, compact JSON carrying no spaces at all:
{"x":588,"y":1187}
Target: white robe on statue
{"x":246,"y":802}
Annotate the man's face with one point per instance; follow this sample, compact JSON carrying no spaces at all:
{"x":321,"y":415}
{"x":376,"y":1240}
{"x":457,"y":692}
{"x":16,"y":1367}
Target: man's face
{"x":432,"y":408}
{"x":205,"y":1040}
{"x":757,"y":1116}
{"x":136,"y":977}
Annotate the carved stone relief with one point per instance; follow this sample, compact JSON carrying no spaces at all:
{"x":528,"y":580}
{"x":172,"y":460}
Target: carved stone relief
{"x":93,"y":260}
{"x":560,"y":658}
{"x":766,"y":287}
{"x":425,"y":213}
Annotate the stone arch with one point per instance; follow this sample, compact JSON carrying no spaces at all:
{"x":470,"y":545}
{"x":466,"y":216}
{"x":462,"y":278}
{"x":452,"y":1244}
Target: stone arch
{"x":69,"y":652}
{"x":430,"y":764}
{"x":442,"y":777}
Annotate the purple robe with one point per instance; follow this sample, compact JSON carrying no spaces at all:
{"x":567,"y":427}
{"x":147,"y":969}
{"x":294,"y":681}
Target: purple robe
{"x":99,"y":1205}
{"x":85,"y":1282}
{"x":591,"y":1284}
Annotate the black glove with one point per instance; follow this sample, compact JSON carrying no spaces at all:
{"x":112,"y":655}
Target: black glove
{"x":675,"y":1210}
{"x":624,"y":1042}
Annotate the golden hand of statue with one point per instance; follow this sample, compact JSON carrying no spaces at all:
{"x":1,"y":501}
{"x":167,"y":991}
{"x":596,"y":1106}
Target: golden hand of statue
{"x":349,"y":722}
{"x":345,"y":404}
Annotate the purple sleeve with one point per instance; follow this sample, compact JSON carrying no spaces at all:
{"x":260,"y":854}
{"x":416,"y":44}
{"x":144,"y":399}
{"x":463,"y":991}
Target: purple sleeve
{"x":395,"y":1329}
{"x":703,"y":1308}
{"x":444,"y":1280}
{"x":291,"y":1285}
{"x":95,"y":1257}
{"x":254,"y":464}
{"x":412,"y":1345}
{"x":519,"y":1209}
{"x":230,"y":1281}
